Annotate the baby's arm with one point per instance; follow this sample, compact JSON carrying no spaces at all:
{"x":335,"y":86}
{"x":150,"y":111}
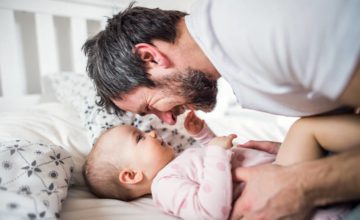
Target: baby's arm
{"x":309,"y":137}
{"x":206,"y":194}
{"x":198,"y":129}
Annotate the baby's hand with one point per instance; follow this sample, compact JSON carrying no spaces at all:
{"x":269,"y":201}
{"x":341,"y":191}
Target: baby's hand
{"x":193,"y":124}
{"x":224,"y":141}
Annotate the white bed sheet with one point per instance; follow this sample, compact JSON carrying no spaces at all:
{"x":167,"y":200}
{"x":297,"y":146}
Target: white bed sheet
{"x":81,"y":204}
{"x":60,"y":125}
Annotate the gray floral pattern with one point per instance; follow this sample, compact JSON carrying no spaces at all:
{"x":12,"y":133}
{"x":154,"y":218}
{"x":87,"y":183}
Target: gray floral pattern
{"x":32,"y":184}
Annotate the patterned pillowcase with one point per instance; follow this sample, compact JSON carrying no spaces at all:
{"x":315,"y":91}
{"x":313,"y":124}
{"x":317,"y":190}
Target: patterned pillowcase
{"x":78,"y":91}
{"x":69,"y":88}
{"x":34,"y":178}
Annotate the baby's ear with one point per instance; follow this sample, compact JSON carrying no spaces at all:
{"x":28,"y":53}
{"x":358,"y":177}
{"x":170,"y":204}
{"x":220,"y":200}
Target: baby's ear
{"x":129,"y":176}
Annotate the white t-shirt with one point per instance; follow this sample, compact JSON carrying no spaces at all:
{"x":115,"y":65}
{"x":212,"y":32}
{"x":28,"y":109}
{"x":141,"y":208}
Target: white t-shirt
{"x":284,"y":57}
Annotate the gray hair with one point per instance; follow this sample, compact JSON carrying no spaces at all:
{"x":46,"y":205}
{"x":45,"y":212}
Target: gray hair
{"x":112,"y":65}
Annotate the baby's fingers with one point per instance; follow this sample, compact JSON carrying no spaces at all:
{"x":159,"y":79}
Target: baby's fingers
{"x":188,"y":118}
{"x":230,"y":139}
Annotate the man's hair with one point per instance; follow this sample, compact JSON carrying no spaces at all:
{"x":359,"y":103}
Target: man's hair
{"x":112,"y":63}
{"x":101,"y":174}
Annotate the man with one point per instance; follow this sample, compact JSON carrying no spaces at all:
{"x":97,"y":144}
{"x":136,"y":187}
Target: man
{"x":294,"y":58}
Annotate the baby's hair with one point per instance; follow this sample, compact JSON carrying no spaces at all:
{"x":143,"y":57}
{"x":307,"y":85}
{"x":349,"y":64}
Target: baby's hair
{"x":101,"y":174}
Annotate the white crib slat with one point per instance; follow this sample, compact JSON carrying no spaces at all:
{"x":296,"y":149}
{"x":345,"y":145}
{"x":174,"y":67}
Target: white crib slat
{"x":12,"y":75}
{"x":94,"y":9}
{"x":47,"y":45}
{"x":103,"y":24}
{"x":78,"y":38}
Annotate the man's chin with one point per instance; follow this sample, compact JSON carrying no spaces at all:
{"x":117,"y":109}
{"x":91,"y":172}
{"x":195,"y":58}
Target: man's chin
{"x":204,"y":108}
{"x":208,"y":110}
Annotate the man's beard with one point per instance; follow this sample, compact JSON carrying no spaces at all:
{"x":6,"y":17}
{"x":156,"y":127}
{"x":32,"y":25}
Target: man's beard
{"x":196,"y":87}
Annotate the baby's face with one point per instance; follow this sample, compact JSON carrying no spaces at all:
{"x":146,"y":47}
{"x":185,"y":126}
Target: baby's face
{"x":144,"y":151}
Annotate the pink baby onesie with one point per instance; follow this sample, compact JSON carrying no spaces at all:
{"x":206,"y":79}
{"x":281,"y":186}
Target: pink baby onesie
{"x":197,"y":184}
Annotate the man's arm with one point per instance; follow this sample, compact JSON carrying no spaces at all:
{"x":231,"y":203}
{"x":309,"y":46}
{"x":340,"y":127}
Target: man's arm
{"x":336,"y":178}
{"x":293,"y":192}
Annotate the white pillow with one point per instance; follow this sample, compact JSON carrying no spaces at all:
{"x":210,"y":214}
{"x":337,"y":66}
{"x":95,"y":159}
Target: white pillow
{"x":50,"y":123}
{"x":46,"y":126}
{"x":69,"y":88}
{"x":34,"y":178}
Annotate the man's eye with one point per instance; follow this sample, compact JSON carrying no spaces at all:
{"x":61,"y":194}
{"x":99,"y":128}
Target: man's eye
{"x":145,"y":112}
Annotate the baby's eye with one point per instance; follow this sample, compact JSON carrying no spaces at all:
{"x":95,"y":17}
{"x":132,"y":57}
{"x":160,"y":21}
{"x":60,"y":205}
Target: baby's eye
{"x":139,"y":137}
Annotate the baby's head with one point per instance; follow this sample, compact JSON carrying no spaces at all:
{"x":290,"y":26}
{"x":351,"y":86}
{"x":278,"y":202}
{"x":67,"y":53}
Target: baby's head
{"x":124,"y":161}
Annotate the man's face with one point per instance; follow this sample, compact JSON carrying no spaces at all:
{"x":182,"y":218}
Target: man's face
{"x":172,"y":96}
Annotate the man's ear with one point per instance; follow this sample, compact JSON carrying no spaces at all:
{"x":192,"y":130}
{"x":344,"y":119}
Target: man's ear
{"x":129,"y":176}
{"x":151,"y":55}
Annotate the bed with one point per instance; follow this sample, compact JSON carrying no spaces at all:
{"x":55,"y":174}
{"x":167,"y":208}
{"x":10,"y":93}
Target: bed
{"x":47,"y":109}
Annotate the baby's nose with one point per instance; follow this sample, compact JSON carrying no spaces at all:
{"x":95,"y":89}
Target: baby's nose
{"x":153,"y":134}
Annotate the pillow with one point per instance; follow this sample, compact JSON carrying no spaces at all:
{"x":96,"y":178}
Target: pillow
{"x":77,"y":91}
{"x":67,"y":87}
{"x":52,"y":123}
{"x":34,"y":178}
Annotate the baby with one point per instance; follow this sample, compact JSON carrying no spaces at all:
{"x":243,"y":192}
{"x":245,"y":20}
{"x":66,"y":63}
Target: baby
{"x":126,"y":164}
